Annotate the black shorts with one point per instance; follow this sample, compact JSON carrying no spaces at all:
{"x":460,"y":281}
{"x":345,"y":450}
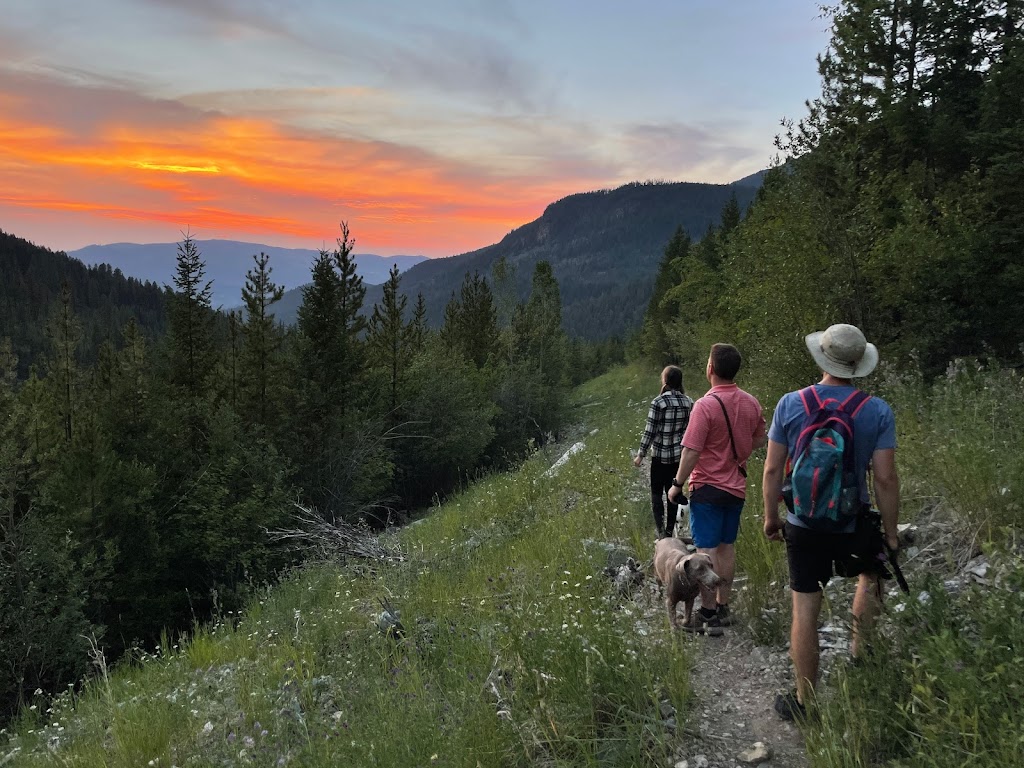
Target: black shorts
{"x":813,"y":554}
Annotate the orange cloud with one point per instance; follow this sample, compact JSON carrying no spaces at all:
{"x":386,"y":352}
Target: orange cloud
{"x":235,"y":176}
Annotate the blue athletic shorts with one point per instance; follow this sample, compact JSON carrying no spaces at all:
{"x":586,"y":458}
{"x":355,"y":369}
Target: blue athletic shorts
{"x":714,"y":524}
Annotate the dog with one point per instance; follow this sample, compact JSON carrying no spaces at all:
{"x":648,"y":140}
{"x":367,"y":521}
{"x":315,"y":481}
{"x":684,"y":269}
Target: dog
{"x":682,"y":574}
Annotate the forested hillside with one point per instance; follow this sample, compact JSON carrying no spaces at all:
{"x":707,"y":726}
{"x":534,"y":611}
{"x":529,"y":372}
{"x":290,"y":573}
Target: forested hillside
{"x":603,"y":248}
{"x":140,"y":477}
{"x":902,"y":211}
{"x":31,"y":282}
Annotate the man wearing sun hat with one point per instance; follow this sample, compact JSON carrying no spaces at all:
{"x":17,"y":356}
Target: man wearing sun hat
{"x":843,"y":354}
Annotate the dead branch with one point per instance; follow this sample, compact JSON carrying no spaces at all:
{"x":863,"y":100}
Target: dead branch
{"x":337,"y":540}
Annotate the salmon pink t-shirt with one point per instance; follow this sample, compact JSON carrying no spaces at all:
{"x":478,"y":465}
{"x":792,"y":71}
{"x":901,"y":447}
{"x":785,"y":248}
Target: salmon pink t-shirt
{"x":708,"y":434}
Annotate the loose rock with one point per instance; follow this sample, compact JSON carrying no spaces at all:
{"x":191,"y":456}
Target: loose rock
{"x":757,"y":754}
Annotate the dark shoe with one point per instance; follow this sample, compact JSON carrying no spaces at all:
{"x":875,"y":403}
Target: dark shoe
{"x":699,"y":624}
{"x":725,"y":617}
{"x":789,"y":708}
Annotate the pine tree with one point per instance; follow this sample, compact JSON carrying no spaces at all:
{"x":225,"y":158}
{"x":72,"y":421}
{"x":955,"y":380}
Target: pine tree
{"x":331,"y":355}
{"x":388,"y":339}
{"x":191,"y":323}
{"x":319,"y":358}
{"x":547,"y":340}
{"x":262,"y":339}
{"x":234,"y":352}
{"x":418,"y":331}
{"x":661,"y":309}
{"x":352,"y":324}
{"x":471,"y":321}
{"x":65,"y":334}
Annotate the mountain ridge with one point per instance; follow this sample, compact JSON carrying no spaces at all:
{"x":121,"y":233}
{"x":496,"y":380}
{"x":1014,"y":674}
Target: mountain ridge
{"x":227,"y":262}
{"x":604,"y":247}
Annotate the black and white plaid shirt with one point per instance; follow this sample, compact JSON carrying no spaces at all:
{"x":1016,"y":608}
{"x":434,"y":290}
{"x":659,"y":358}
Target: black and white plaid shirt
{"x":666,"y":423}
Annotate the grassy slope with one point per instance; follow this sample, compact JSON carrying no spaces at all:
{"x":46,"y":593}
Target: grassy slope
{"x":496,"y":588}
{"x":498,"y":580}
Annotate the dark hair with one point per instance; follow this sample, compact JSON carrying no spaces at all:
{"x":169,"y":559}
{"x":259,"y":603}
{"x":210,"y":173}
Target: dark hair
{"x":725,"y":361}
{"x":673,"y":376}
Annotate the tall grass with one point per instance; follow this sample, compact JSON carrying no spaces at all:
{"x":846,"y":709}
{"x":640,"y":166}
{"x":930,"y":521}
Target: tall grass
{"x":516,"y":651}
{"x":962,"y":442}
{"x":946,"y":684}
{"x":515,"y":648}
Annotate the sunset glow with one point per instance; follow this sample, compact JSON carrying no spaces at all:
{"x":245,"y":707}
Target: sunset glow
{"x":419,"y":155}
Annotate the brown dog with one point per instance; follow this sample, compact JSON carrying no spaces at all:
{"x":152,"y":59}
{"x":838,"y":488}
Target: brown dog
{"x":681,"y":574}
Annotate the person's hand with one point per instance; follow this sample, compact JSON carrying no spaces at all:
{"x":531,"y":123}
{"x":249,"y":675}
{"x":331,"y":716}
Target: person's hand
{"x":638,"y":460}
{"x":773,"y":527}
{"x":674,"y":493}
{"x":892,"y":541}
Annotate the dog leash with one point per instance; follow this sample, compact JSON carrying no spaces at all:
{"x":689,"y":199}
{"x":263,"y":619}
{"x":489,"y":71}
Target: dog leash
{"x":891,"y":555}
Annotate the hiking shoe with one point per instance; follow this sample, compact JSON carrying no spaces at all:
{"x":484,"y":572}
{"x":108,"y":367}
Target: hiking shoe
{"x":725,"y":617}
{"x":701,"y":625}
{"x":789,"y":708}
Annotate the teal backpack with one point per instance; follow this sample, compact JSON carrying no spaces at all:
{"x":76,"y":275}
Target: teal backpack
{"x":821,"y":486}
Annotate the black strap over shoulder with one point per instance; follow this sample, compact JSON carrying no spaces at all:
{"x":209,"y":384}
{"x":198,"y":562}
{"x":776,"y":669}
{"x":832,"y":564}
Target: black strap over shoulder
{"x":732,"y":442}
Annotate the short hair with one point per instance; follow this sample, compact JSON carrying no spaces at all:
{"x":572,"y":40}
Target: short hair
{"x":725,"y":361}
{"x":673,"y":377}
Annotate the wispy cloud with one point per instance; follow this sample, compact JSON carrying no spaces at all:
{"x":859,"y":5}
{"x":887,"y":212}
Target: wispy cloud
{"x":122,"y":155}
{"x":231,"y":18}
{"x":674,"y":149}
{"x":434,"y":127}
{"x":456,"y":63}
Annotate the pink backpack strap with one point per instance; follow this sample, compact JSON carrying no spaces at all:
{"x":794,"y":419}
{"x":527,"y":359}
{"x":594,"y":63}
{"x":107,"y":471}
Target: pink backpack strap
{"x":859,"y":396}
{"x":804,"y":400}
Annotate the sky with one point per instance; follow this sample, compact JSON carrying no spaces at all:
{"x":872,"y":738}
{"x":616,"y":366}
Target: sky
{"x":432,"y":128}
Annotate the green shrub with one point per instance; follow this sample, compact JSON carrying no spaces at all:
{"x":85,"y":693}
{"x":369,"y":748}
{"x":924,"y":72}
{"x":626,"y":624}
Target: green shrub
{"x":946,"y":688}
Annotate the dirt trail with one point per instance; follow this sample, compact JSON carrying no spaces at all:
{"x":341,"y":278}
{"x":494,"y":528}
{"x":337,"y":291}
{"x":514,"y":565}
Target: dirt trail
{"x":735,"y":683}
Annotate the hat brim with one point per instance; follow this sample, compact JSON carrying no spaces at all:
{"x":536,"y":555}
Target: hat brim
{"x":864,"y":366}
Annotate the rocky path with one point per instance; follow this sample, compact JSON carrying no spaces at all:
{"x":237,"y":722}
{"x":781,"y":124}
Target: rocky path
{"x":735,"y":683}
{"x":732,"y":721}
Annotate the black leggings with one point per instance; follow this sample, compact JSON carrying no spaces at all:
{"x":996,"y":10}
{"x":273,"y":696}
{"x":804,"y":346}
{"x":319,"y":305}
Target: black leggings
{"x":662,"y":475}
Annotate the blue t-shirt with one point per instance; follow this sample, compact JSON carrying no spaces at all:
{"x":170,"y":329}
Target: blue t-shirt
{"x":874,"y":428}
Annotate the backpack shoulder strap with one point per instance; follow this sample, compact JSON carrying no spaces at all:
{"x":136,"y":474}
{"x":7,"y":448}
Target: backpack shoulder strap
{"x":806,"y":396}
{"x":855,"y":402}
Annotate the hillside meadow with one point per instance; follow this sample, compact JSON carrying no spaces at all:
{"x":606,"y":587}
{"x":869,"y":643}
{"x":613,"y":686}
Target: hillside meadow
{"x":515,"y":649}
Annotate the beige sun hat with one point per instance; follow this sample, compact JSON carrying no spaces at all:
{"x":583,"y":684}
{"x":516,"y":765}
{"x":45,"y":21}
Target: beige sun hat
{"x":842,"y":351}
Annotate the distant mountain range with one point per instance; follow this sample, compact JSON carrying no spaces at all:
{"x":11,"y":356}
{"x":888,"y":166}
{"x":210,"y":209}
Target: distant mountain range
{"x":227,"y":262}
{"x":604,"y":248}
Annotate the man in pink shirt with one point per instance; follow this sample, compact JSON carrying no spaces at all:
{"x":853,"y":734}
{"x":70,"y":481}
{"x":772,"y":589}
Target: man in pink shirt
{"x":726,"y":426}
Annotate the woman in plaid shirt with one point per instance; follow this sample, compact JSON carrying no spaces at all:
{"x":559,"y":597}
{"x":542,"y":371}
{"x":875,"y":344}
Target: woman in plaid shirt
{"x":666,"y":423}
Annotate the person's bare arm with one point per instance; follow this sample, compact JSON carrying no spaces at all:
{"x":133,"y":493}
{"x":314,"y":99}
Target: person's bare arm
{"x":771,"y":484}
{"x":686,"y":464}
{"x":759,"y":441}
{"x":887,"y":492}
{"x":760,"y":436}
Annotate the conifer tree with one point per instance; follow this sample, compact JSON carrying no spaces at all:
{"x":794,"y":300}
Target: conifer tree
{"x":191,"y":322}
{"x":319,"y":357}
{"x":351,"y":323}
{"x":65,"y":334}
{"x":546,"y":339}
{"x":389,"y":337}
{"x":661,"y":309}
{"x":262,"y":339}
{"x":234,"y":353}
{"x":418,"y":330}
{"x":471,"y":321}
{"x":331,"y":359}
